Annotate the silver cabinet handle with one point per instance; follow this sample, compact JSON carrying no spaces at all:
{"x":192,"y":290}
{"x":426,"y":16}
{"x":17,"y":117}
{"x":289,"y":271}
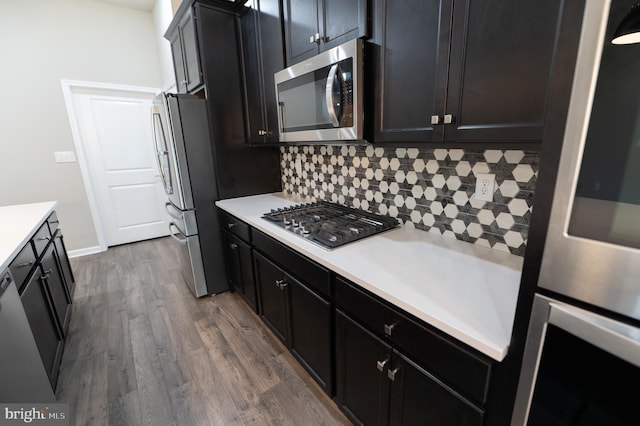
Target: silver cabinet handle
{"x":435,"y":119}
{"x":47,"y":238}
{"x":281,"y":284}
{"x":381,"y":364}
{"x":312,"y":39}
{"x":329,"y":97}
{"x":391,"y":374}
{"x":612,"y":336}
{"x":388,"y":328}
{"x":448,"y":119}
{"x":22,"y":265}
{"x":231,"y":225}
{"x":233,"y":246}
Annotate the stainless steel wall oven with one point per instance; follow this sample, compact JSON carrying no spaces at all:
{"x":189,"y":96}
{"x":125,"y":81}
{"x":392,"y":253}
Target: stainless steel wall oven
{"x":582,"y":359}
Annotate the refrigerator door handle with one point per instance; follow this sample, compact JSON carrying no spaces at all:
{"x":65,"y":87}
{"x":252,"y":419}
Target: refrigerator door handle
{"x":182,"y":242}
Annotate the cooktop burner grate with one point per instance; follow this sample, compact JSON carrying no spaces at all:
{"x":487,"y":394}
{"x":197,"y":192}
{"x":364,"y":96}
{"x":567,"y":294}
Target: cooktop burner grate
{"x":329,"y":225}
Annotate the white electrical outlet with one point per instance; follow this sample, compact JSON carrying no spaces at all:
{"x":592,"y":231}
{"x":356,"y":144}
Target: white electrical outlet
{"x":484,"y":186}
{"x":64,"y":156}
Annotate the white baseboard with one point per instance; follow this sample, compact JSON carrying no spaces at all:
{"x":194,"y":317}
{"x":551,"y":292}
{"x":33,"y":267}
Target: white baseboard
{"x":85,"y":251}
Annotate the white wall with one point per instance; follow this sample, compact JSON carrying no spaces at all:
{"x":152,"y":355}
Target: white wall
{"x":44,"y":41}
{"x":162,"y":16}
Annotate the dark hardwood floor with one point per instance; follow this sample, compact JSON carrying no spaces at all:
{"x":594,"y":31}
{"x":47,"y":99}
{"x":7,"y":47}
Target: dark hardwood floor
{"x":142,"y":350}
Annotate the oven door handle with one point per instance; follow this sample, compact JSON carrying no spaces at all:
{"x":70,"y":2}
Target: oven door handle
{"x":173,"y":225}
{"x":611,"y":336}
{"x":329,"y":95}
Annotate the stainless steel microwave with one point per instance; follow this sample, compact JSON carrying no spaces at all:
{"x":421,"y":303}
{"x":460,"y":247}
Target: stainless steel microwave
{"x":320,"y":99}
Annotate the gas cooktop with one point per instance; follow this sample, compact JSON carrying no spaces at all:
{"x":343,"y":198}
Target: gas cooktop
{"x":329,"y":225}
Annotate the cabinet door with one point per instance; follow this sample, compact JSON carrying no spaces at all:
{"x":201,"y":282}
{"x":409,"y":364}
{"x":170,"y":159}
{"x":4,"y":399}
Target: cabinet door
{"x":178,"y":61}
{"x":64,"y":263}
{"x":234,"y":267}
{"x":311,"y":332}
{"x":240,"y":268}
{"x":501,"y":68}
{"x":246,"y":271}
{"x":56,"y":286}
{"x":263,"y":57}
{"x":417,"y":398}
{"x":271,"y":282}
{"x":42,"y":319}
{"x":343,"y":20}
{"x":362,"y":363}
{"x":300,"y":26}
{"x":191,"y":53}
{"x":410,"y":47}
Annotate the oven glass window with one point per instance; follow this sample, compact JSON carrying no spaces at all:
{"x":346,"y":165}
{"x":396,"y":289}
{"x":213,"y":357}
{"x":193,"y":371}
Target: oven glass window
{"x":607,"y":201}
{"x":579,"y":384}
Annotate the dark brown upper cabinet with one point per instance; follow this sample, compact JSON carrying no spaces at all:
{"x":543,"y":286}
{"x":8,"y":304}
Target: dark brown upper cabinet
{"x":184,"y":48}
{"x":462,"y":71}
{"x":263,"y":56}
{"x":313,"y":26}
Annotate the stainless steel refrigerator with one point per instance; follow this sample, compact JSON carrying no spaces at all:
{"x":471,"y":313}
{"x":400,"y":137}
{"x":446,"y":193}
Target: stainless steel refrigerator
{"x":203,"y":157}
{"x":183,"y":148}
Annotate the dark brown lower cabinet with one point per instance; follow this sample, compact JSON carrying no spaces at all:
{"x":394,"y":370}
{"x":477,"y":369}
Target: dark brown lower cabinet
{"x":300,"y":318}
{"x":61,"y":251}
{"x":273,"y":297}
{"x":42,"y":317}
{"x":56,"y":285}
{"x":240,"y":268}
{"x":418,"y":398}
{"x":377,"y":385}
{"x":361,"y":361}
{"x":310,"y":327}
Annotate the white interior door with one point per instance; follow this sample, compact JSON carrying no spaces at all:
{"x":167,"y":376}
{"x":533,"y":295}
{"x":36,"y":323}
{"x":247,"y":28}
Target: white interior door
{"x":116,"y":137}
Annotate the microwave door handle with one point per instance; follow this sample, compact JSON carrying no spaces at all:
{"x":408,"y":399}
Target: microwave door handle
{"x":282,"y":116}
{"x":329,"y":96}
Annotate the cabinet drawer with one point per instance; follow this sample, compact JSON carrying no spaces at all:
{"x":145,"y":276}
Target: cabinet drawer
{"x":453,"y":363}
{"x":235,"y":226}
{"x":307,"y":271}
{"x":41,"y":239}
{"x":22,"y":265}
{"x":53,"y":223}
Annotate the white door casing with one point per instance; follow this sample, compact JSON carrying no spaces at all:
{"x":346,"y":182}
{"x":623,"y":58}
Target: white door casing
{"x":112,"y":132}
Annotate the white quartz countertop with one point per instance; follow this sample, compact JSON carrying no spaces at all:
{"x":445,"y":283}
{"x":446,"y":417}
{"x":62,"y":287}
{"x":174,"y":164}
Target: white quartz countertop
{"x":17,"y":225}
{"x":466,"y":291}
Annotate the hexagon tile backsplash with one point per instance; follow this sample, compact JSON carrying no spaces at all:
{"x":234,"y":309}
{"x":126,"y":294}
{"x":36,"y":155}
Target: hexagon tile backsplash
{"x":430,"y":189}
